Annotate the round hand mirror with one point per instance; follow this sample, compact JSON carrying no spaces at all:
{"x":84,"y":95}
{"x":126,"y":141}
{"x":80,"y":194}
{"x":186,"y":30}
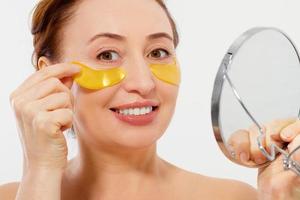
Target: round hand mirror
{"x":257,"y":84}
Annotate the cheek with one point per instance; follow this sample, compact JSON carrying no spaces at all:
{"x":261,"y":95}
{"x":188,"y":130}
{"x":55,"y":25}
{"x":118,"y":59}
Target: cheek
{"x":169,"y":97}
{"x":90,"y":109}
{"x":167,"y":94}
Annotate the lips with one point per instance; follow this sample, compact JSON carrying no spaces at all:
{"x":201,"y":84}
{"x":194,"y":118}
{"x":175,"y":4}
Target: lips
{"x":136,"y":118}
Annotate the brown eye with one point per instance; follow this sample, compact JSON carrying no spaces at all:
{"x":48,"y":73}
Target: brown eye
{"x":108,"y":56}
{"x":159,"y":53}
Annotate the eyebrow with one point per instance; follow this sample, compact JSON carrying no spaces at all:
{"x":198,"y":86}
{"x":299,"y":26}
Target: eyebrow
{"x":122,"y":38}
{"x":160,"y":35}
{"x":107,"y":35}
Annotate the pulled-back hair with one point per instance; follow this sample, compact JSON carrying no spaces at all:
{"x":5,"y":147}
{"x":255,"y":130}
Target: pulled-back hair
{"x":50,"y":16}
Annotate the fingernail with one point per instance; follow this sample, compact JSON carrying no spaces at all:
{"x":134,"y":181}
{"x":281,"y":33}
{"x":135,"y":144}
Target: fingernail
{"x":288,"y":134}
{"x":244,"y":157}
{"x":231,"y":151}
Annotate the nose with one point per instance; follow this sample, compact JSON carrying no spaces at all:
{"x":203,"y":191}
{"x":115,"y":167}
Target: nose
{"x":139,"y":78}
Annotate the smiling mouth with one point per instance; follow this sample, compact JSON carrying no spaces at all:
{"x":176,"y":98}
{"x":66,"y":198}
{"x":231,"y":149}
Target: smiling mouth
{"x":135,"y":111}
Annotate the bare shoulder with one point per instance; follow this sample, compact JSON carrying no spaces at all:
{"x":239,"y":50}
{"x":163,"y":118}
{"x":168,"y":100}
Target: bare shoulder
{"x":232,"y":189}
{"x":8,"y":191}
{"x":197,"y":186}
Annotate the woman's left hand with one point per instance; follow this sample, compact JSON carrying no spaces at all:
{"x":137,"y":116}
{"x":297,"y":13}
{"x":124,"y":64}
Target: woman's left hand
{"x":274,"y":183}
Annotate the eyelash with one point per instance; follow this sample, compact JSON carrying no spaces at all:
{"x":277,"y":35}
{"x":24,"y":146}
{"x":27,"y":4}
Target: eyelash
{"x":107,"y":51}
{"x":161,"y":49}
{"x":149,"y":55}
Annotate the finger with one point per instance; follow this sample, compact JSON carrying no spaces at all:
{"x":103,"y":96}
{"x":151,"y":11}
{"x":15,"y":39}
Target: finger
{"x":255,"y":153}
{"x":292,"y":146}
{"x":290,"y":132}
{"x":271,"y":137}
{"x":59,"y":71}
{"x":62,"y":117}
{"x":56,"y":101}
{"x":49,"y":103}
{"x":272,"y":133}
{"x":239,"y":143}
{"x":43,"y":89}
{"x":47,"y":87}
{"x":54,"y":122}
{"x":279,"y":125}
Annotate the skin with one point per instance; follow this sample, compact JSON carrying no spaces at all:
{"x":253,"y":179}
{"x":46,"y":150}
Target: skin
{"x":115,"y":160}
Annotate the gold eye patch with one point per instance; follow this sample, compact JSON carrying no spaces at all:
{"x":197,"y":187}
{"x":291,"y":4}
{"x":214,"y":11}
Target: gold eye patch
{"x":169,"y":73}
{"x":98,"y":79}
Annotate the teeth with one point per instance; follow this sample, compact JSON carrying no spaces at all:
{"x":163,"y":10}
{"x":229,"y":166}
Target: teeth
{"x":136,"y":111}
{"x":131,"y":111}
{"x":143,"y":111}
{"x":125,"y":112}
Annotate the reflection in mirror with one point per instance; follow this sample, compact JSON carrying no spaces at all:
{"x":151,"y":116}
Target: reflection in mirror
{"x":256,"y":99}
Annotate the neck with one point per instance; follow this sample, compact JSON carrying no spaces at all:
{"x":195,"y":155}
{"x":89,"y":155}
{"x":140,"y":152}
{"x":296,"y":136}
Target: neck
{"x":106,"y":159}
{"x":109,"y":169}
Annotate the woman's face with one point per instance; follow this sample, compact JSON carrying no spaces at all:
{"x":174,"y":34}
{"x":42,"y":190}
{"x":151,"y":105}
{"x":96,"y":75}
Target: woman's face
{"x":121,"y":33}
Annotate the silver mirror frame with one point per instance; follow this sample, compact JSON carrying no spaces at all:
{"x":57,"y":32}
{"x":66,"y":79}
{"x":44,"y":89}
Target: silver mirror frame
{"x":222,"y":76}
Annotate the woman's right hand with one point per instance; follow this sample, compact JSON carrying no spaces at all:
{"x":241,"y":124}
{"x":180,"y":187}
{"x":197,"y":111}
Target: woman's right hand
{"x":43,"y":106}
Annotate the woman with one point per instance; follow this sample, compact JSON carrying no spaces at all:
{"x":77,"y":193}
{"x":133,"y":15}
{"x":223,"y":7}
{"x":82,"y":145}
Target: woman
{"x":117,"y":125}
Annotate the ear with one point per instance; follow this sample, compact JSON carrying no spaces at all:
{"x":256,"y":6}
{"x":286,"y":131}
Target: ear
{"x":43,"y":62}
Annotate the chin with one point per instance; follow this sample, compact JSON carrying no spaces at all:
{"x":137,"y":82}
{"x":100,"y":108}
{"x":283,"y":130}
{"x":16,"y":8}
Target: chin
{"x":137,"y":139}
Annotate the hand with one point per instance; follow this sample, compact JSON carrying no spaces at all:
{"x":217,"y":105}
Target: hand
{"x":273,"y":181}
{"x":43,"y":107}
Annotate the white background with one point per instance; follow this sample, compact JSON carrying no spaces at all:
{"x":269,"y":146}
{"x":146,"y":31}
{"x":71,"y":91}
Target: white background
{"x":207,"y":28}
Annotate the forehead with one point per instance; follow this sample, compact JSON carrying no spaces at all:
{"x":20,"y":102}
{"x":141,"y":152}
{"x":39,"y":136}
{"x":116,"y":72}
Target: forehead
{"x":126,"y":17}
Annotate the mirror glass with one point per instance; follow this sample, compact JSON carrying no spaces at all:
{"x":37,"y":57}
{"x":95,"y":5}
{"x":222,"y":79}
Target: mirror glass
{"x":260,"y":74}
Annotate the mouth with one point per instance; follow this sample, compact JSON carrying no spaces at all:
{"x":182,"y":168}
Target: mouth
{"x":138,"y":113}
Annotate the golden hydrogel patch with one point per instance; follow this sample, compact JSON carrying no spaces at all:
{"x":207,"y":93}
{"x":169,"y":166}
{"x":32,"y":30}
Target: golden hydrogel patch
{"x":169,"y":73}
{"x":98,"y":79}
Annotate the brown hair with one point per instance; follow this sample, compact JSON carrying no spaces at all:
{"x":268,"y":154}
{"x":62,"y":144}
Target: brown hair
{"x":50,"y":16}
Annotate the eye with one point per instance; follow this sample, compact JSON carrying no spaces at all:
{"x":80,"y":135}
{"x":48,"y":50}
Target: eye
{"x":159,"y":53}
{"x":108,"y":56}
